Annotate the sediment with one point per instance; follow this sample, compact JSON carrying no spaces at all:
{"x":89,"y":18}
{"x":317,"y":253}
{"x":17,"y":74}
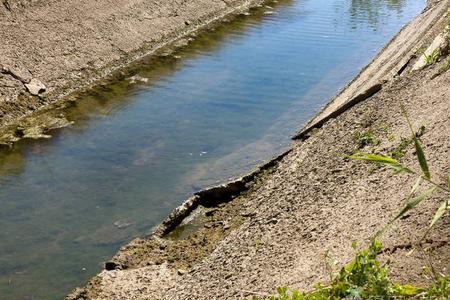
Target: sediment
{"x":274,"y":226}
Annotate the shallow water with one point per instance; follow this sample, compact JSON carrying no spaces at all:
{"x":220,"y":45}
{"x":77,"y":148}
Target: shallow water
{"x":228,"y":101}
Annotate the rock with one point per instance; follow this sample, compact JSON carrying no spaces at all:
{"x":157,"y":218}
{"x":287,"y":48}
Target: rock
{"x":35,"y":133}
{"x":432,"y":53}
{"x":35,"y":87}
{"x":137,"y":78}
{"x":20,"y":73}
{"x":122,"y":225}
{"x":210,"y":212}
{"x":181,"y":272}
{"x":161,"y":242}
{"x":77,"y":294}
{"x":247,"y":214}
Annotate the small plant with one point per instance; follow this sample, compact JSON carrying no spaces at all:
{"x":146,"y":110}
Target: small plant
{"x":440,"y":289}
{"x":366,"y":138}
{"x":412,"y":199}
{"x":400,"y":150}
{"x":432,"y":57}
{"x":367,"y":278}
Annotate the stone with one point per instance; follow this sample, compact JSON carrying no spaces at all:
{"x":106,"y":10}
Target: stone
{"x":137,"y":78}
{"x":35,"y":87}
{"x":211,"y":212}
{"x":20,"y":73}
{"x":122,"y":224}
{"x":77,"y":294}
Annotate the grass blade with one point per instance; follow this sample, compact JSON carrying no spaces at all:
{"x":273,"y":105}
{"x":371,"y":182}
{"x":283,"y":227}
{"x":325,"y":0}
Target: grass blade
{"x":440,"y":212}
{"x":374,"y":158}
{"x":415,"y":186}
{"x":421,"y":157}
{"x":413,"y":202}
{"x":419,"y":151}
{"x":413,"y":189}
{"x":384,"y":160}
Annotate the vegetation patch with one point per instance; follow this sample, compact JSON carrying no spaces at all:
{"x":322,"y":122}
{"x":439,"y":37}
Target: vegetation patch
{"x":365,"y":138}
{"x":365,"y":277}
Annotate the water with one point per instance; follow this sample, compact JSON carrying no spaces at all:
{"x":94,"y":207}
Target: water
{"x":231,"y":100}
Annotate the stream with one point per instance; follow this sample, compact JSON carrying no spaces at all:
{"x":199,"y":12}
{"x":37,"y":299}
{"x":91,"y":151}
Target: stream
{"x":215,"y":109}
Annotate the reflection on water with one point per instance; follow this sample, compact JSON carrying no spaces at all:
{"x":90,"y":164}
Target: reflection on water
{"x":374,"y":12}
{"x":217,"y":108}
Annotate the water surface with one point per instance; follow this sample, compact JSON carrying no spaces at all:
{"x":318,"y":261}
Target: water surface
{"x":225,"y":103}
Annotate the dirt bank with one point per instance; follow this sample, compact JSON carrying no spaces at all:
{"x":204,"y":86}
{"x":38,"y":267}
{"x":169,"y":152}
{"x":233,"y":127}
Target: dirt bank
{"x":50,"y":48}
{"x":273,"y":228}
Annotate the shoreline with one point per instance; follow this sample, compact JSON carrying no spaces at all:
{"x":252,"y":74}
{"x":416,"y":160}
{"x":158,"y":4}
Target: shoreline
{"x":21,"y":111}
{"x":392,"y":60}
{"x":157,"y":261}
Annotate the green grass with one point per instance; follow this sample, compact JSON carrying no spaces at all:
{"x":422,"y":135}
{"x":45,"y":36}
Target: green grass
{"x":432,"y":57}
{"x":365,"y":138}
{"x":365,"y":277}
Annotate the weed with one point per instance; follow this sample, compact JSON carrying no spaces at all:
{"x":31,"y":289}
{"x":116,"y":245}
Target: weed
{"x":440,"y":289}
{"x":400,"y":150}
{"x":365,"y":138}
{"x":257,"y":245}
{"x":412,"y":199}
{"x":432,"y":57}
{"x":365,"y":277}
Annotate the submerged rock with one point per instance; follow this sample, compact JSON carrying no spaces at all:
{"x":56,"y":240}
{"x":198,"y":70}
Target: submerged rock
{"x":137,"y":78}
{"x":122,"y":224}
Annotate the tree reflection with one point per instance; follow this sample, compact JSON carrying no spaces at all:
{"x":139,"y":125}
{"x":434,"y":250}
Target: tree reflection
{"x":373,"y":12}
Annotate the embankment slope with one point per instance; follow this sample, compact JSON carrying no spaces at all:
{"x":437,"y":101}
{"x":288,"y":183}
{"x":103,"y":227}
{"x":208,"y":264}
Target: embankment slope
{"x":50,"y":48}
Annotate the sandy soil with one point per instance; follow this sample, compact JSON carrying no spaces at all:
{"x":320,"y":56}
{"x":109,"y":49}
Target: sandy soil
{"x":50,"y":48}
{"x":313,"y":200}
